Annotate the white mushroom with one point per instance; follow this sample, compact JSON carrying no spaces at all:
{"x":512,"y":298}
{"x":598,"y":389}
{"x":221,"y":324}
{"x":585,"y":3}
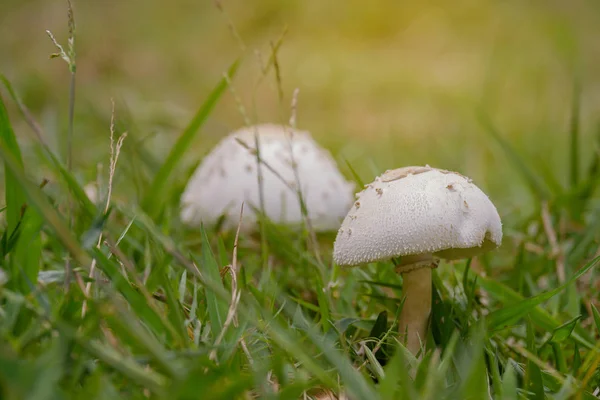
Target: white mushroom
{"x":417,"y":214}
{"x":228,"y":176}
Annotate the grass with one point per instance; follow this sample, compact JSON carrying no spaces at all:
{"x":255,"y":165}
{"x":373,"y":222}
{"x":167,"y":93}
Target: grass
{"x":177,"y":313}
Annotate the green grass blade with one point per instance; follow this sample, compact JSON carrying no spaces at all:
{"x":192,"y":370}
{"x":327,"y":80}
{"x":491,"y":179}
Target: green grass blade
{"x":563,"y":332}
{"x":574,"y":135}
{"x":355,"y":175}
{"x":375,"y":366}
{"x":125,"y":365}
{"x":356,"y":384}
{"x":576,"y":360}
{"x":134,"y":298}
{"x":37,"y":199}
{"x":397,"y":383}
{"x":217,"y":308}
{"x":566,"y":391}
{"x":510,"y":314}
{"x":289,"y":341}
{"x":28,"y":251}
{"x":592,"y":179}
{"x":214,"y":384}
{"x":324,"y":304}
{"x":596,"y":317}
{"x":175,"y":314}
{"x":35,"y":379}
{"x":584,"y":242}
{"x":157,"y":193}
{"x":143,"y":221}
{"x":139,"y":332}
{"x":539,"y":316}
{"x":472,"y":365}
{"x":55,"y":163}
{"x":496,"y":380}
{"x":509,"y":383}
{"x":533,"y":374}
{"x":15,"y":198}
{"x":72,"y":184}
{"x":559,"y":357}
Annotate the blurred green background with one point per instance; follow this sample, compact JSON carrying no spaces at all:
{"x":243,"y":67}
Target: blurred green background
{"x":382,"y":83}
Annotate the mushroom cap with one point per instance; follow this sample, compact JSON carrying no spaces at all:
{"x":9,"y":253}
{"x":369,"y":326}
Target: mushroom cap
{"x":228,"y":176}
{"x":418,"y":211}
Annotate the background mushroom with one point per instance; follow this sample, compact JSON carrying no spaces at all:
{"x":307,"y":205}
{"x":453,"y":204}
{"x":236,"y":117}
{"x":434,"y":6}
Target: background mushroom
{"x":228,"y":176}
{"x":417,"y":214}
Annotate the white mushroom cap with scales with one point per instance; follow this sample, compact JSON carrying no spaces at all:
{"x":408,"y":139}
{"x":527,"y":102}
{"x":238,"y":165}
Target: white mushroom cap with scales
{"x":228,"y":176}
{"x":418,"y":210}
{"x":417,"y":214}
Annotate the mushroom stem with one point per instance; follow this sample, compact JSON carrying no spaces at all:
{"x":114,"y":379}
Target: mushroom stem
{"x":414,"y":319}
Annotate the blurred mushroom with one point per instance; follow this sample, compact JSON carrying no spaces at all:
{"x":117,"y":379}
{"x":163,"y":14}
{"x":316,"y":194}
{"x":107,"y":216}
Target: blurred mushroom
{"x":415,"y":215}
{"x":228,"y":175}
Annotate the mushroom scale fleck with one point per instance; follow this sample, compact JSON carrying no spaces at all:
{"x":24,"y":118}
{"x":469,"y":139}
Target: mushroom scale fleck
{"x":228,"y":176}
{"x":418,"y":210}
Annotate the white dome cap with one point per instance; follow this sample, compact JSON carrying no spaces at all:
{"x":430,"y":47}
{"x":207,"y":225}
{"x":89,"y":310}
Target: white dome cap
{"x":418,"y":211}
{"x":228,"y":175}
